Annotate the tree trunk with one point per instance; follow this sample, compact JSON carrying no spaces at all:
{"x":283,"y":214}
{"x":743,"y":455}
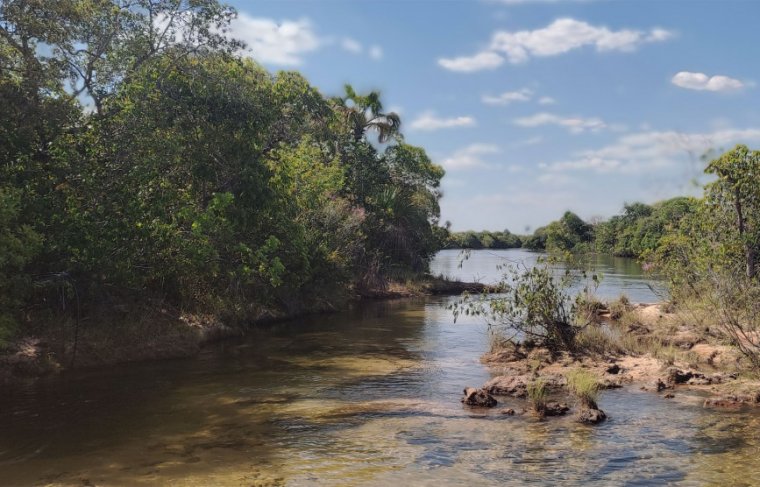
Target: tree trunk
{"x":749,"y":251}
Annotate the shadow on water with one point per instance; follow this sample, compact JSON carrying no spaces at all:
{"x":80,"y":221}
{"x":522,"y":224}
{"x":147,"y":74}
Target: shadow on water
{"x":369,"y":396}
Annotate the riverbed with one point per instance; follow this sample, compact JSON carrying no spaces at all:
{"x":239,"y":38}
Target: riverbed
{"x":369,"y":396}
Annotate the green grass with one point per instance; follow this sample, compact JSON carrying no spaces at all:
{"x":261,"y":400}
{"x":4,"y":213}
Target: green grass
{"x":537,"y":394}
{"x":584,"y":385}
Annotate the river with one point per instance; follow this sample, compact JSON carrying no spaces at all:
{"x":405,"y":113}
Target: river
{"x":369,"y":396}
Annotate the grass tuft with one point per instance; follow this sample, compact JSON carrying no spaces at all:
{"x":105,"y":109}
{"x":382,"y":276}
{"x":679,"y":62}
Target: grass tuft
{"x":584,"y":385}
{"x":537,"y":394}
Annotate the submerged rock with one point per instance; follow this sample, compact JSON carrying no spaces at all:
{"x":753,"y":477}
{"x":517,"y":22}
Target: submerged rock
{"x":591,"y":416}
{"x":478,"y":397}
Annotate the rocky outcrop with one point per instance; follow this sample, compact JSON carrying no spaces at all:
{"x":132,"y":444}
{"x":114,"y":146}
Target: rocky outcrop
{"x":478,"y":398}
{"x":517,"y":385}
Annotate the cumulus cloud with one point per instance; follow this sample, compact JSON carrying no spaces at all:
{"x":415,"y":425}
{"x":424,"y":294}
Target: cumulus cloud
{"x":546,"y":100}
{"x":701,"y":81}
{"x":508,"y":97}
{"x":468,"y":64}
{"x":644,"y":152}
{"x":469,"y":157}
{"x":271,"y":42}
{"x":575,"y":125}
{"x":559,"y":37}
{"x":429,"y":121}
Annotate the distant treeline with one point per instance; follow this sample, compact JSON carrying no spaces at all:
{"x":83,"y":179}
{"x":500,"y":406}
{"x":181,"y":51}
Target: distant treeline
{"x":638,"y":230}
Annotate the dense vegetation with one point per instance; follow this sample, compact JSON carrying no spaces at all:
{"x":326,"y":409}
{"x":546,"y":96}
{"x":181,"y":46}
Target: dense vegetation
{"x":142,"y":158}
{"x":636,"y":232}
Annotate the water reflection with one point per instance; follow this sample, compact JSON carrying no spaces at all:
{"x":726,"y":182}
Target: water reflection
{"x":365,"y":397}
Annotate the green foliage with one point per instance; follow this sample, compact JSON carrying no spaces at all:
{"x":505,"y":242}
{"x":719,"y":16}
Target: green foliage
{"x":192,"y":175}
{"x":584,"y":385}
{"x":534,"y":304}
{"x":484,"y":240}
{"x":537,"y":395}
{"x":19,"y":243}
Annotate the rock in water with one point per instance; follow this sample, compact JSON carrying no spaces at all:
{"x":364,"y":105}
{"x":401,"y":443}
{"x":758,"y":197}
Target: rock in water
{"x":556,"y":409}
{"x":478,"y":397}
{"x":591,"y":416}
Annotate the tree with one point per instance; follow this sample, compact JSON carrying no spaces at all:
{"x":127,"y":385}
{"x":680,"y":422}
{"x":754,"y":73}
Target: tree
{"x":364,"y":113}
{"x":737,"y":191}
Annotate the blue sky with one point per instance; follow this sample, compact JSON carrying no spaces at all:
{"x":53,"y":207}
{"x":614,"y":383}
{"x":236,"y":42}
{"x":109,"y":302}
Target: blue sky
{"x":535,"y":107}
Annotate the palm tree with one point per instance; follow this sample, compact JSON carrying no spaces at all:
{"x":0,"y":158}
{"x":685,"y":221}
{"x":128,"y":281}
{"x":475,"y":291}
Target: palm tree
{"x":364,"y":113}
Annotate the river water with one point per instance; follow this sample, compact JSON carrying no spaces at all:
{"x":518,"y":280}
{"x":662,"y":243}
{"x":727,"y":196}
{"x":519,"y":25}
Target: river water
{"x":369,"y":396}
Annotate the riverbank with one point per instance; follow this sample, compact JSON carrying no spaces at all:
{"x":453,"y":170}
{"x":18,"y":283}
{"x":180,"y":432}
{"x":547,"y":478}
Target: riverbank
{"x":155,"y":331}
{"x":650,"y":347}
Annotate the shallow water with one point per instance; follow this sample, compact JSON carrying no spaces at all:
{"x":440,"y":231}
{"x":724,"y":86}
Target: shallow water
{"x":369,"y":396}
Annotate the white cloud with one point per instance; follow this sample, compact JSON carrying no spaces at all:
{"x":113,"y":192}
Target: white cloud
{"x":508,"y":97}
{"x":546,"y":100}
{"x":429,"y":121}
{"x":465,"y":64}
{"x":376,"y":52}
{"x":575,"y":125}
{"x":559,"y":37}
{"x":351,"y":45}
{"x":701,"y":81}
{"x":272,"y":42}
{"x":470,"y":157}
{"x":645,"y":152}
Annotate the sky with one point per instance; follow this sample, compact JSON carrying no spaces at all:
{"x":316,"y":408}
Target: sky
{"x":535,"y":107}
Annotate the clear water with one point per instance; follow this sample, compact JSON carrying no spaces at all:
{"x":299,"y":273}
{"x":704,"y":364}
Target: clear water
{"x":369,"y":396}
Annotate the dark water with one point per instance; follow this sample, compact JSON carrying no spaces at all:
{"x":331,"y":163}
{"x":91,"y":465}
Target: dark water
{"x":365,"y":397}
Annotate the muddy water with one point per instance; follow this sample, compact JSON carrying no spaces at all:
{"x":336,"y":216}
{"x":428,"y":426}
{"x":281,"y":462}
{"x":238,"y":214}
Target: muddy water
{"x":365,"y":397}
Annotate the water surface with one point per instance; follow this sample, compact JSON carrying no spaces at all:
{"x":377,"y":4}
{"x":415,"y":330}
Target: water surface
{"x":369,"y":396}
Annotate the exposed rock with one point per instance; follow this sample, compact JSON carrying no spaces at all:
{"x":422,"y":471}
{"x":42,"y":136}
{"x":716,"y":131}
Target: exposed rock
{"x":611,"y":383}
{"x":503,"y":356}
{"x":732,"y":400}
{"x":669,"y":395}
{"x":661,"y":386}
{"x":591,"y":416}
{"x":517,"y":385}
{"x":614,"y":369}
{"x":508,"y":412}
{"x":678,"y":376}
{"x":478,"y":397}
{"x":556,"y":409}
{"x":514,"y":385}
